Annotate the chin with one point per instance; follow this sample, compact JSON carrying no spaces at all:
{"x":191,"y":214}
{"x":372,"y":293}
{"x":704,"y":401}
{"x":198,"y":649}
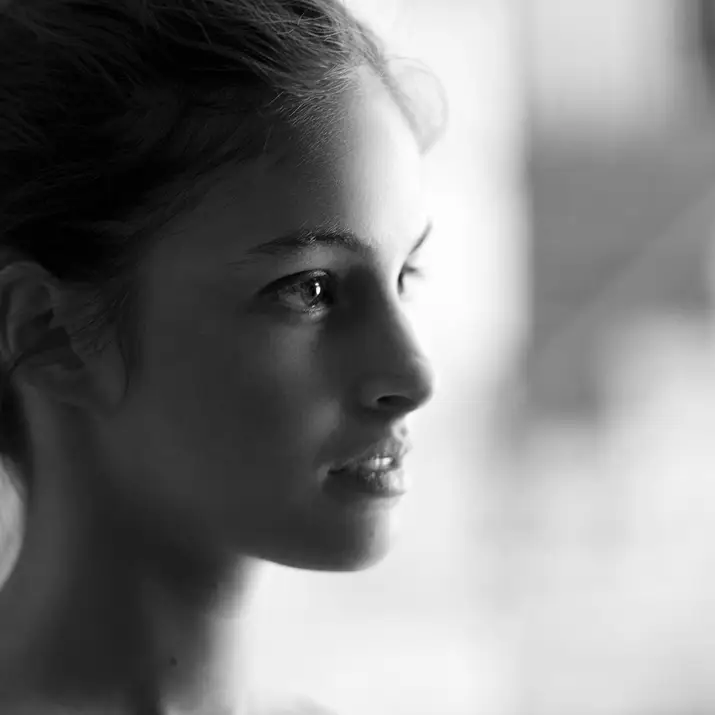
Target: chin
{"x":337,"y":554}
{"x":343,"y":563}
{"x":350,"y":562}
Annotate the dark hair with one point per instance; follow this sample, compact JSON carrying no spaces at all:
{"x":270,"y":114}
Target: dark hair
{"x":115,"y":114}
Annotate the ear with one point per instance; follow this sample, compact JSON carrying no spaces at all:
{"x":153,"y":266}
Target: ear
{"x":38,"y":326}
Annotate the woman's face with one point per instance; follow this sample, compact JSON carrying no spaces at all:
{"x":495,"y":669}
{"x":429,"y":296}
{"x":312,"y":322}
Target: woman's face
{"x":262,"y":368}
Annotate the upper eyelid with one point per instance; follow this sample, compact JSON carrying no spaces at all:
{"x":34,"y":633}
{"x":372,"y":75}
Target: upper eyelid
{"x":307,"y":275}
{"x":331,"y":277}
{"x":333,"y":274}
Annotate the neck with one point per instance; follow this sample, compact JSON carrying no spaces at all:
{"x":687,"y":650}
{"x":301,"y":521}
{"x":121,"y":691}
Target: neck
{"x":100,"y":611}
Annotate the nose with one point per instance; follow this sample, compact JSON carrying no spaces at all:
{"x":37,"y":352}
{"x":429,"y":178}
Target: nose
{"x":396,"y":376}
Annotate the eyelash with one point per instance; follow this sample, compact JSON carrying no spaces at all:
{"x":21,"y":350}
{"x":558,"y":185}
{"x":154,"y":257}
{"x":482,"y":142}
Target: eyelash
{"x":289,"y":284}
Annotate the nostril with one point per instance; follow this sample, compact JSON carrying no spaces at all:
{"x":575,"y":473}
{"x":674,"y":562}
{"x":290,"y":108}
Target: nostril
{"x":398,"y":395}
{"x":396,"y":403}
{"x":399,"y":379}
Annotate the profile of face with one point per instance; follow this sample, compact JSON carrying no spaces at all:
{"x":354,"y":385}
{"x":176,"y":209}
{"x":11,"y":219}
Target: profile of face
{"x":261,"y":367}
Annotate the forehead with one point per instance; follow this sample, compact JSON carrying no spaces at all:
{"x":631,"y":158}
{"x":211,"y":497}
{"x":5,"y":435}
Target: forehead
{"x":365,"y":174}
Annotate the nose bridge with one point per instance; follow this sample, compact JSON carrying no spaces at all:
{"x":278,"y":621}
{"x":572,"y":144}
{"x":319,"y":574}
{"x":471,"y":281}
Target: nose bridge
{"x":396,"y":374}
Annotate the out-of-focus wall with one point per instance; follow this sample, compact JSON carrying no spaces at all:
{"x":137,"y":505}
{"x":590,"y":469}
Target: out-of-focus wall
{"x":622,"y":149}
{"x":609,"y":67}
{"x":607,"y":529}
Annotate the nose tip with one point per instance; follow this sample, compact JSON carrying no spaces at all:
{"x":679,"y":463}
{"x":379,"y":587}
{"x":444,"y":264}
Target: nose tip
{"x":402,"y":392}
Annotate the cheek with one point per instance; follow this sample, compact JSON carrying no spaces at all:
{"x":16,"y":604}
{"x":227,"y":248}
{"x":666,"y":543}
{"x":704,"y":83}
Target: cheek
{"x":248,"y":414}
{"x":261,"y":388}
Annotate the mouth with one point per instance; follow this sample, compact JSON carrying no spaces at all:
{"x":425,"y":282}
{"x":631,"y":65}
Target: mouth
{"x":383,"y":484}
{"x":375,"y":472}
{"x":386,"y":454}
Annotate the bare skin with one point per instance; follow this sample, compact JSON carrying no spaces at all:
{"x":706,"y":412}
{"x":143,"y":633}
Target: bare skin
{"x":156,"y":499}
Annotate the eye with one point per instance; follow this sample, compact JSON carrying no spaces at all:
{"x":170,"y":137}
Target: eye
{"x":304,"y":292}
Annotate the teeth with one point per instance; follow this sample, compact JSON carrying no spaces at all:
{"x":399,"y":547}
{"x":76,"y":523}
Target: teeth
{"x":373,"y":464}
{"x":377,"y":463}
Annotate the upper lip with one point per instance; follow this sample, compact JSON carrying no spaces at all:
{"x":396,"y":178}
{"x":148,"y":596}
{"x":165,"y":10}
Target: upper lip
{"x":393,"y":447}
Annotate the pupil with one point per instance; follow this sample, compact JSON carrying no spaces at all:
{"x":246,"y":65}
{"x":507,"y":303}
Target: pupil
{"x":315,"y":290}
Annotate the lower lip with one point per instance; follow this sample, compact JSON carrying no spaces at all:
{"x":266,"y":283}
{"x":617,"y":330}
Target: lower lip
{"x":352,"y":485}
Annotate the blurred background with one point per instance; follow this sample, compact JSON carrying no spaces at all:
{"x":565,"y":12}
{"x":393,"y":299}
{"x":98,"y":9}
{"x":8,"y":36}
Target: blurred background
{"x":557,"y":553}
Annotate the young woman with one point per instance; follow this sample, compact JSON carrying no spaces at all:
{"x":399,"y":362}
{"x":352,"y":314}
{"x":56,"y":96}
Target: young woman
{"x":210,"y":213}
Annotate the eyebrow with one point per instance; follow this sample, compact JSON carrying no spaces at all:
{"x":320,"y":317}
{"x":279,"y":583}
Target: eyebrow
{"x":296,"y":242}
